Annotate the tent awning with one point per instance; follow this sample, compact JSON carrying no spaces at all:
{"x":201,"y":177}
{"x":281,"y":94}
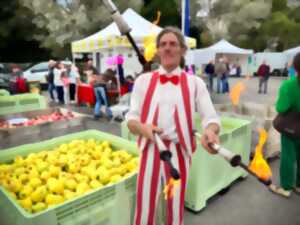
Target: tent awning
{"x":110,"y":36}
{"x":225,"y":47}
{"x":292,"y":51}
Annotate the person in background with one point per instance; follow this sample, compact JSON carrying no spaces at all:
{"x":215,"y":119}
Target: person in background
{"x":220,"y":70}
{"x":291,"y":70}
{"x":127,"y":85}
{"x":225,"y":82}
{"x":100,"y":90}
{"x":74,"y":78}
{"x":66,"y":83}
{"x":50,"y":79}
{"x":89,"y":70}
{"x":263,"y":72}
{"x":289,"y":101}
{"x":210,"y":71}
{"x":130,"y":83}
{"x":58,"y":72}
{"x":238,"y":70}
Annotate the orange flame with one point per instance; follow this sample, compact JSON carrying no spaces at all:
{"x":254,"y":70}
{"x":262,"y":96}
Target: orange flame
{"x":156,"y":21}
{"x":259,"y":166}
{"x":170,"y":188}
{"x":235,"y":92}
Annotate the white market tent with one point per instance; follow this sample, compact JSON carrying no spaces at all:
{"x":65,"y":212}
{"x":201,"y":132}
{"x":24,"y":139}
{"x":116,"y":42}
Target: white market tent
{"x":109,"y":42}
{"x":290,"y":53}
{"x":200,"y":57}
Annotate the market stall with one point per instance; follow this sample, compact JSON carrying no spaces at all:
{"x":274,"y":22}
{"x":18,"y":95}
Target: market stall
{"x":108,"y":42}
{"x":234,"y":54}
{"x":21,"y":103}
{"x":22,"y":127}
{"x":86,"y":95}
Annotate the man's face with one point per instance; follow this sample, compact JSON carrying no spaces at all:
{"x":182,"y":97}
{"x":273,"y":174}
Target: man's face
{"x":170,"y":51}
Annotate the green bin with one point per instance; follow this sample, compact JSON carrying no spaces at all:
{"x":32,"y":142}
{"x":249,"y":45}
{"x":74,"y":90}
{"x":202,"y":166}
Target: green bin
{"x":4,"y":92}
{"x":209,"y":174}
{"x":21,"y":103}
{"x":111,"y":205}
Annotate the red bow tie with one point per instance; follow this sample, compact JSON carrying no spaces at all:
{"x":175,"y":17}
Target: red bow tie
{"x":164,"y":79}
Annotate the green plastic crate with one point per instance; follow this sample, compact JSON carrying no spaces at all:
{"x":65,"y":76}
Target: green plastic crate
{"x":209,"y":174}
{"x":21,"y":103}
{"x":4,"y":92}
{"x":111,"y":205}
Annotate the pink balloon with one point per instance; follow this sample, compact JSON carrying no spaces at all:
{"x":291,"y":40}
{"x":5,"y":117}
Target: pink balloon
{"x":110,"y":61}
{"x":190,"y":71}
{"x":119,"y":59}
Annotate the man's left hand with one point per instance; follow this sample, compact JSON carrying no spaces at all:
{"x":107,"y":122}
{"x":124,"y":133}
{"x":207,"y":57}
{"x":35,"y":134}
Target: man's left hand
{"x":210,"y":136}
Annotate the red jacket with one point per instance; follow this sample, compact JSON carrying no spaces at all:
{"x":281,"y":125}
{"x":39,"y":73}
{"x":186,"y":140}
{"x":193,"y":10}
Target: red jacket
{"x":263,"y":70}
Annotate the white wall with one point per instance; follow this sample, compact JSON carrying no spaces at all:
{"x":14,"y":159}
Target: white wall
{"x":276,"y":60}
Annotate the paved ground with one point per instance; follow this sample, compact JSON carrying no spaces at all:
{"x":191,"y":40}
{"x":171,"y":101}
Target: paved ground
{"x":247,"y":202}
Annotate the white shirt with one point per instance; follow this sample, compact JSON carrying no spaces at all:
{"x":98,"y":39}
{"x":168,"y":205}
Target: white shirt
{"x":73,"y":75}
{"x":57,"y":77}
{"x":167,"y":95}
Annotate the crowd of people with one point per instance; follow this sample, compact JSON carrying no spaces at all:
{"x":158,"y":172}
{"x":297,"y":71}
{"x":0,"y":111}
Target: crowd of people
{"x":222,"y":69}
{"x":63,"y":79}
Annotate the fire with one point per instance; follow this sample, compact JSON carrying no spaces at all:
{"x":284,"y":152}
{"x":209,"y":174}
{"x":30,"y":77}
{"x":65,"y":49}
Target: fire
{"x":259,"y":166}
{"x":156,"y":21}
{"x":235,"y":92}
{"x":170,"y":188}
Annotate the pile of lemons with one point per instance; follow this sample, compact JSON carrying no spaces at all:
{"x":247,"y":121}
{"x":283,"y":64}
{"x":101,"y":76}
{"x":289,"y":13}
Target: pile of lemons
{"x":48,"y":178}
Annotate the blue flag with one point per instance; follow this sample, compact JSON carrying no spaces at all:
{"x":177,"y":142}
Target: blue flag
{"x":187,"y":18}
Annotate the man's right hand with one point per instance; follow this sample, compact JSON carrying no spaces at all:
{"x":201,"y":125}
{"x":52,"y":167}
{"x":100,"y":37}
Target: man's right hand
{"x":146,"y":130}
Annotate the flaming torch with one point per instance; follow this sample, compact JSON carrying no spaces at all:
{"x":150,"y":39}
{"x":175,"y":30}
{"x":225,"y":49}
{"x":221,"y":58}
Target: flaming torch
{"x":123,"y":28}
{"x":166,"y":155}
{"x":235,"y":160}
{"x":259,"y":165}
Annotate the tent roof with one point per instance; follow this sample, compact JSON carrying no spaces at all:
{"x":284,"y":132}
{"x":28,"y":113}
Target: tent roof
{"x":139,"y":25}
{"x":110,"y":36}
{"x":224,"y":46}
{"x":294,"y":50}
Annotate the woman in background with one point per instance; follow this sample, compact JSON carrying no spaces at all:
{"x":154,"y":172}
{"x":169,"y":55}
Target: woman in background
{"x":289,"y":101}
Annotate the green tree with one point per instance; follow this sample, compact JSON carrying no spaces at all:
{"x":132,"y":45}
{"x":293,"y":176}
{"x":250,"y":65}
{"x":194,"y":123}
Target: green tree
{"x":279,"y":5}
{"x":232,"y":19}
{"x":169,"y":12}
{"x":66,"y":21}
{"x":281,"y":30}
{"x":16,"y":29}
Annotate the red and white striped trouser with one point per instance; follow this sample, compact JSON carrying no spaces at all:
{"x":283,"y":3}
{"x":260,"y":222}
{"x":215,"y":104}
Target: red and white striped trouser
{"x":152,"y":177}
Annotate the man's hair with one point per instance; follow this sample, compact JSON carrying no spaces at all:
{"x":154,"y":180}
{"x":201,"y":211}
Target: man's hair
{"x":176,"y":32}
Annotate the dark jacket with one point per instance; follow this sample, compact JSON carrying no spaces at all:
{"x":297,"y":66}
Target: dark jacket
{"x":210,"y":69}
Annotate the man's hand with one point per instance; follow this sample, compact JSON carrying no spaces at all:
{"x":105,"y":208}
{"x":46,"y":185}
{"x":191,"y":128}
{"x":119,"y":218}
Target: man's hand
{"x":146,"y":130}
{"x":210,"y":136}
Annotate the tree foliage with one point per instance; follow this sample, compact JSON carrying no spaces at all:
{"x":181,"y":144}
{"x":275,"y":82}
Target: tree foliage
{"x":281,"y":30}
{"x":169,"y":12}
{"x":234,"y":18}
{"x":66,"y":21}
{"x":257,"y":24}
